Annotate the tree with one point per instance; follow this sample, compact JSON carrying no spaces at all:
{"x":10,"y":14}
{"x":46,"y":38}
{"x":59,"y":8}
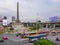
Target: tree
{"x":5,"y":17}
{"x":39,"y":21}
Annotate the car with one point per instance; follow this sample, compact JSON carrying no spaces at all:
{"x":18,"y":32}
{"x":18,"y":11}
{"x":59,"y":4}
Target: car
{"x":18,"y":34}
{"x":58,"y":31}
{"x":5,"y":37}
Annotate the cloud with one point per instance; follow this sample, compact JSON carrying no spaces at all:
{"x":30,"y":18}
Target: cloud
{"x":55,"y":1}
{"x":30,"y":10}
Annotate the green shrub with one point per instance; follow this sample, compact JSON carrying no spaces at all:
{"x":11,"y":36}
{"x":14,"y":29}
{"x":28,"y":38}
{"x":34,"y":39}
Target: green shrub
{"x":44,"y":42}
{"x":1,"y":40}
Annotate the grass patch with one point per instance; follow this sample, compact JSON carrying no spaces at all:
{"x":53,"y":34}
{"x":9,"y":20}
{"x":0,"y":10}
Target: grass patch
{"x":44,"y":42}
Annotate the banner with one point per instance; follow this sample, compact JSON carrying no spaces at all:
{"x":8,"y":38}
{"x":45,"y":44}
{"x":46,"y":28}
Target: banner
{"x":5,"y":22}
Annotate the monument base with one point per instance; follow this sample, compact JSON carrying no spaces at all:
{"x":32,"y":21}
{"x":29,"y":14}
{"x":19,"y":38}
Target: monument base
{"x":19,"y":27}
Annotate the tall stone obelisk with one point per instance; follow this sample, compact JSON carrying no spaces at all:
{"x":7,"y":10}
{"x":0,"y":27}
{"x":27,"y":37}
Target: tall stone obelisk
{"x":17,"y":21}
{"x":18,"y":26}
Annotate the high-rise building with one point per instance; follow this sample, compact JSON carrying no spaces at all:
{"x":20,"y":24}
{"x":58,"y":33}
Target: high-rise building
{"x":13,"y":19}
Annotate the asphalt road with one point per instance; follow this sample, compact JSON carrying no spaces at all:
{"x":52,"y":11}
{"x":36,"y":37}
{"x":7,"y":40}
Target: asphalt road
{"x":53,"y":39}
{"x":13,"y":40}
{"x":9,"y":42}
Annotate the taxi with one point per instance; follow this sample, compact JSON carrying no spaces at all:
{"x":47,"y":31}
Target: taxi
{"x":53,"y":31}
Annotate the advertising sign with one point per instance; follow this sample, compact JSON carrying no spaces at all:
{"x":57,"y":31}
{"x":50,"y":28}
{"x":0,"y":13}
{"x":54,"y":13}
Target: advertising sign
{"x":53,"y":19}
{"x":5,"y":22}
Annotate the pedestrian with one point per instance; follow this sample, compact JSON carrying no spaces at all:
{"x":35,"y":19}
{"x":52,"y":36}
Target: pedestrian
{"x":57,"y":39}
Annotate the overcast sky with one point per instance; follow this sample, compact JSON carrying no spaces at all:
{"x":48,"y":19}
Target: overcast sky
{"x":30,"y":10}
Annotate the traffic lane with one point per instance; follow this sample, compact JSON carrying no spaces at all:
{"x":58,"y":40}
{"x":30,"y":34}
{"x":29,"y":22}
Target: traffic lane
{"x":53,"y":39}
{"x":9,"y":42}
{"x":25,"y":42}
{"x":12,"y":38}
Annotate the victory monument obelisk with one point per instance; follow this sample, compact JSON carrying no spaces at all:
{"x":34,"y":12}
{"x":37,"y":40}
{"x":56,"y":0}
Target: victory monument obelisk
{"x":18,"y":26}
{"x":17,"y":20}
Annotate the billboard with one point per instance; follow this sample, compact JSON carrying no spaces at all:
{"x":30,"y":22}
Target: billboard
{"x":5,"y":23}
{"x":54,"y":19}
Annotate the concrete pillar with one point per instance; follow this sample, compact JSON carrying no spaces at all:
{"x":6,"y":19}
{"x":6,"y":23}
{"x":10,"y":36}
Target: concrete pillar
{"x":42,"y":26}
{"x":53,"y":25}
{"x":27,"y":25}
{"x":50,"y":27}
{"x":39,"y":25}
{"x":33,"y":24}
{"x":46,"y":26}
